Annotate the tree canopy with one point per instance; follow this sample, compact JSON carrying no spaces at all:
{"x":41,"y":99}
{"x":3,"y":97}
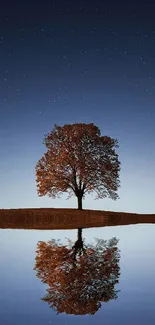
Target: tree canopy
{"x":78,"y":161}
{"x":78,"y":285}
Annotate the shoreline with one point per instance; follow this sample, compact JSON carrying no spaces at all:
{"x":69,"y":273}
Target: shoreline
{"x":60,"y":218}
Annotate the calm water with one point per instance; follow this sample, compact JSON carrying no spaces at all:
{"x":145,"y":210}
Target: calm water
{"x":21,"y":290}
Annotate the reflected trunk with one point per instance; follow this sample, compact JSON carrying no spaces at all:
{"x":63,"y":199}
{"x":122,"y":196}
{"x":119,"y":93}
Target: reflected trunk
{"x":80,"y":234}
{"x":78,"y":246}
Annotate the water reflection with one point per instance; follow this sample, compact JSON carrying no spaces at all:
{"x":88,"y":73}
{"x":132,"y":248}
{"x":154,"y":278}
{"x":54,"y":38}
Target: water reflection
{"x":80,"y":277}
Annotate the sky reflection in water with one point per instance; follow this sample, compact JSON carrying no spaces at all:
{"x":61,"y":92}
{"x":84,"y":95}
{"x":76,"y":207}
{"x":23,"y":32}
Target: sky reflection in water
{"x":21,"y":291}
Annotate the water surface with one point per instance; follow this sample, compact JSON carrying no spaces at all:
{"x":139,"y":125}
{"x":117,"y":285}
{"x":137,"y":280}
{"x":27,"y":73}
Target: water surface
{"x":21,"y":290}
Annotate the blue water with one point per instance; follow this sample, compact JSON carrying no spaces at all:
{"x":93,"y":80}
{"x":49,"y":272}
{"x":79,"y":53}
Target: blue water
{"x":21,"y":291}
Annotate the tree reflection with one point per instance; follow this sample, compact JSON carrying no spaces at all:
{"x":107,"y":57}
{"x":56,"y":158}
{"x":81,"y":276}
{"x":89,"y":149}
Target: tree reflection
{"x":80,"y":277}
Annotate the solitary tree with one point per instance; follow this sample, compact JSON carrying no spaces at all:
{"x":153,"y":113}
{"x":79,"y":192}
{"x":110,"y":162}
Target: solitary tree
{"x":78,"y":161}
{"x":78,"y":284}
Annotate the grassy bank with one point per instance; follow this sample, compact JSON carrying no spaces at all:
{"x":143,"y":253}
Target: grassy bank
{"x":50,"y":218}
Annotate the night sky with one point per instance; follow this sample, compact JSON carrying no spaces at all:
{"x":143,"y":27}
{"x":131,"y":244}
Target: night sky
{"x":69,"y":62}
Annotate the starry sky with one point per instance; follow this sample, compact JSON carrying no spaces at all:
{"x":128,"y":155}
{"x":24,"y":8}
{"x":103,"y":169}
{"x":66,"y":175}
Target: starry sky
{"x":70,"y":62}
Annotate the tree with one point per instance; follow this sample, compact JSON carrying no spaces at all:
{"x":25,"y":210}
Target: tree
{"x":78,"y":281}
{"x":78,"y":161}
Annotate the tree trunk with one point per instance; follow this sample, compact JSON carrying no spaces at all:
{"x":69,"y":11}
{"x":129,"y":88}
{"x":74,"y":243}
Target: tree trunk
{"x":79,"y":202}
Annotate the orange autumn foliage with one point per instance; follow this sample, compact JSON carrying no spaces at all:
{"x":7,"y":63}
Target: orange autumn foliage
{"x":78,"y":286}
{"x":78,"y":161}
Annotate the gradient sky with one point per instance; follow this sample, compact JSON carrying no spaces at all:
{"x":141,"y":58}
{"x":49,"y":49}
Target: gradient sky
{"x":70,"y":61}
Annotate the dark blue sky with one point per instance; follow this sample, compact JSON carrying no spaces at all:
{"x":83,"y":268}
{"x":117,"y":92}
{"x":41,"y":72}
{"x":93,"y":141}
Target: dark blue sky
{"x":70,"y":61}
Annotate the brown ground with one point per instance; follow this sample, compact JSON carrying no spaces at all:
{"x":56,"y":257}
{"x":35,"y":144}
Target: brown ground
{"x":50,"y":218}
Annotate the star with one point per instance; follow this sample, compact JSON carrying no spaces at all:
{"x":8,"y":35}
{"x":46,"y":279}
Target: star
{"x":85,"y":71}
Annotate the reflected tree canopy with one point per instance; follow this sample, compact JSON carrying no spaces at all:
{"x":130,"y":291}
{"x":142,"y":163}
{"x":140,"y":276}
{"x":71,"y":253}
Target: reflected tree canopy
{"x":80,"y":277}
